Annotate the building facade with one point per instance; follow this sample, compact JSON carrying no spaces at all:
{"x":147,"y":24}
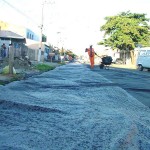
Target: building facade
{"x":30,"y":36}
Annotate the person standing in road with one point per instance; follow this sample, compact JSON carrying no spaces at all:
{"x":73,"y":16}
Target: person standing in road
{"x":91,"y":54}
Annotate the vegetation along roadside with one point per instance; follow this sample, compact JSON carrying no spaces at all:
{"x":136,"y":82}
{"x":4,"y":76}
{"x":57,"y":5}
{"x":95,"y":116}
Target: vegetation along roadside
{"x":35,"y":69}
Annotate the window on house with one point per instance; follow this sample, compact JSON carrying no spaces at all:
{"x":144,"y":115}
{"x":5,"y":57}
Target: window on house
{"x":28,"y":35}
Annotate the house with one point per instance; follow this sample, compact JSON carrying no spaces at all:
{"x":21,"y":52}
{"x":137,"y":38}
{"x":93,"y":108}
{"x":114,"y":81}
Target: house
{"x":21,"y":30}
{"x":45,"y":50}
{"x":18,"y":42}
{"x":32,"y":40}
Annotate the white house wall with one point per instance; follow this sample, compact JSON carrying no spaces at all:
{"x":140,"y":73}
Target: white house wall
{"x":22,"y":31}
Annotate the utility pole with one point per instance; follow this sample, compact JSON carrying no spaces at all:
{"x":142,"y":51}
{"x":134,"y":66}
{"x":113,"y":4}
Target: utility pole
{"x":11,"y":59}
{"x":41,"y":30}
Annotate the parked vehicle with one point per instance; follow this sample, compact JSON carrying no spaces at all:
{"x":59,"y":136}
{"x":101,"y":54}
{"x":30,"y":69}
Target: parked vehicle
{"x":143,"y":60}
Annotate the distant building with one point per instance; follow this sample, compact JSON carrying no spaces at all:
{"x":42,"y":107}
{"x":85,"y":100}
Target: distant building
{"x":45,"y":50}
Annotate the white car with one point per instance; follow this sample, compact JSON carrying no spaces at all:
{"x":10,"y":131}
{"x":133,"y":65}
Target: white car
{"x":143,"y":60}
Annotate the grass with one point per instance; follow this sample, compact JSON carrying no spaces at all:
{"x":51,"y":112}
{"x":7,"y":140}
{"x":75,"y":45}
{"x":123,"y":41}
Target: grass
{"x":2,"y":83}
{"x":14,"y":77}
{"x":19,"y":76}
{"x":44,"y":67}
{"x":61,"y":63}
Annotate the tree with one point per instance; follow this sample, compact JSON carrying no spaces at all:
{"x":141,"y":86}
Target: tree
{"x":125,"y":31}
{"x":62,"y":51}
{"x":70,"y":53}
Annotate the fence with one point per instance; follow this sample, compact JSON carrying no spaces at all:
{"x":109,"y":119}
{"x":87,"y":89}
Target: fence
{"x":21,"y":51}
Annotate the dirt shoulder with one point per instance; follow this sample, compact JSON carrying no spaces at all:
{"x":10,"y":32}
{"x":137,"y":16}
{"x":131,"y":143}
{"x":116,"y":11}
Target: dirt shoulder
{"x":23,"y":70}
{"x":124,"y":66}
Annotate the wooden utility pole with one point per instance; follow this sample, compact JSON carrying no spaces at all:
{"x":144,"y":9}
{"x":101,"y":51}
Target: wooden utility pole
{"x":11,"y":59}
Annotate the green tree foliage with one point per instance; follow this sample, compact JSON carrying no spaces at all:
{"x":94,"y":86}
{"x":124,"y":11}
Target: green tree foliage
{"x":62,"y":51}
{"x":126,"y":30}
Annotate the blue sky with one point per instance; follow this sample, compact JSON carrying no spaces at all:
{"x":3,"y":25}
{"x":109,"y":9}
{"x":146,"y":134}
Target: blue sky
{"x":77,"y":21}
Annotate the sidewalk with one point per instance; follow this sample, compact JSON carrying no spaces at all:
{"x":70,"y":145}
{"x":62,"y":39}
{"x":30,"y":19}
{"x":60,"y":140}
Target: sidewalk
{"x":126,"y":66}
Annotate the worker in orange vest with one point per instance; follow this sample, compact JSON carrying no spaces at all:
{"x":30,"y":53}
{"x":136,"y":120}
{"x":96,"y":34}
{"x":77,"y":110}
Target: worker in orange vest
{"x":91,"y":54}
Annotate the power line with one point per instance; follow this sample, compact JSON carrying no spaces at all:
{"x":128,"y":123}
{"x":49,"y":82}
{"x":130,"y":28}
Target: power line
{"x":16,"y":9}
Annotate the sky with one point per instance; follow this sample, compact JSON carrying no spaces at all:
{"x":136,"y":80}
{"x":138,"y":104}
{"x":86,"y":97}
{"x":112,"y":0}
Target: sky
{"x":73,"y":24}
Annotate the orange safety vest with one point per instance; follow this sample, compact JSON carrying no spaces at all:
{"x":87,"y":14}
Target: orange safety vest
{"x":91,"y":52}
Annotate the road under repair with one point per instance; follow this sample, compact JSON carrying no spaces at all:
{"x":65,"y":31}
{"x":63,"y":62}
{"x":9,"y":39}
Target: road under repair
{"x":71,"y":107}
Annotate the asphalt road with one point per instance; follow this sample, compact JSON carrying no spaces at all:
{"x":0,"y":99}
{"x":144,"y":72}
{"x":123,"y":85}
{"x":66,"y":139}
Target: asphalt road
{"x":136,"y":83}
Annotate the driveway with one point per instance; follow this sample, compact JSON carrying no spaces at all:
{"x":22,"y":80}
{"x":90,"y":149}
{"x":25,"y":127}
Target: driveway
{"x":68,"y":108}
